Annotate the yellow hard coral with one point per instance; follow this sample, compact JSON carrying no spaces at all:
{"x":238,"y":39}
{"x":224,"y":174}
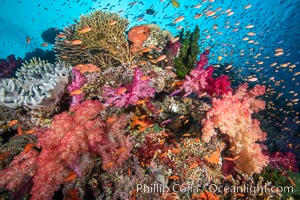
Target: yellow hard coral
{"x":98,"y":38}
{"x":104,"y":35}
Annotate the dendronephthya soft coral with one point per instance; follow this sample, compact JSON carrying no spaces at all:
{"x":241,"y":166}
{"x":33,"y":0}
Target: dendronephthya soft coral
{"x":231,"y":114}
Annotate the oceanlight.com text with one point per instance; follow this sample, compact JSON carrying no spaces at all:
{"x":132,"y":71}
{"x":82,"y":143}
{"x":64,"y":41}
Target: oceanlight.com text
{"x":217,"y":189}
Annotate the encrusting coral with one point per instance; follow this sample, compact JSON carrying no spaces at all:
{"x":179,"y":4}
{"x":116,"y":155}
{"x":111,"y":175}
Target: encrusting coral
{"x":38,"y":84}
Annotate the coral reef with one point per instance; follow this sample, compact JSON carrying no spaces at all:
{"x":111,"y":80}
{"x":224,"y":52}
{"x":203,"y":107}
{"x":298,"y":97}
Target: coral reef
{"x":121,"y":124}
{"x":38,"y":84}
{"x":9,"y":65}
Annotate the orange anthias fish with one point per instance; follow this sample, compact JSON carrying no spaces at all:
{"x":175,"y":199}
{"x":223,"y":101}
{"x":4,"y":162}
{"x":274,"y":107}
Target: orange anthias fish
{"x":28,"y":40}
{"x":179,"y":19}
{"x":44,"y":44}
{"x":13,"y":122}
{"x":85,"y":30}
{"x":75,"y":92}
{"x":87,"y":68}
{"x":76,"y":42}
{"x":28,"y":147}
{"x":71,"y":177}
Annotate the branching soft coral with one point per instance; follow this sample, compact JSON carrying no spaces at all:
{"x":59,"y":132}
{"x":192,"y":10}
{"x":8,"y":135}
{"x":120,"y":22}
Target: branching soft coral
{"x":67,"y":148}
{"x":21,"y":169}
{"x":232,"y":116}
{"x":200,"y":80}
{"x":130,"y":94}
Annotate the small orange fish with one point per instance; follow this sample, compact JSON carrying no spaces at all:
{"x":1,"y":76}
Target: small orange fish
{"x":253,"y":79}
{"x":87,"y":68}
{"x":175,"y":39}
{"x":108,"y":165}
{"x":20,"y":131}
{"x":197,"y":6}
{"x":247,"y":6}
{"x":193,"y":165}
{"x":85,"y":30}
{"x":121,"y":90}
{"x":28,"y":40}
{"x":76,"y":42}
{"x":75,"y":92}
{"x":28,"y":147}
{"x":113,"y":22}
{"x":197,"y":16}
{"x":71,"y":177}
{"x":174,"y":177}
{"x":110,"y":119}
{"x":176,"y":151}
{"x":144,"y":78}
{"x":120,"y":150}
{"x":210,"y":13}
{"x":44,"y":44}
{"x":279,"y":53}
{"x":12,"y":123}
{"x":160,"y":58}
{"x":61,"y":35}
{"x":168,"y":67}
{"x":30,"y":131}
{"x":179,"y":19}
{"x":179,"y":27}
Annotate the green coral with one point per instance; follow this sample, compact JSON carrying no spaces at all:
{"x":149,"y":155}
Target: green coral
{"x":189,"y":51}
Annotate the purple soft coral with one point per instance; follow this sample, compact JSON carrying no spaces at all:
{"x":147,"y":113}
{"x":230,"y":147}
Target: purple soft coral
{"x":130,"y":94}
{"x":77,"y":83}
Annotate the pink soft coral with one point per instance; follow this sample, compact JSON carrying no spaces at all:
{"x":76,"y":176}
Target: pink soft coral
{"x":200,"y":80}
{"x":21,"y":169}
{"x":130,"y":94}
{"x":232,"y":116}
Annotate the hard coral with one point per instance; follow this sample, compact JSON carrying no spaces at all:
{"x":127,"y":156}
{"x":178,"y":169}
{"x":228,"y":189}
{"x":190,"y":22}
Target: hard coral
{"x":38,"y":84}
{"x":137,"y":35}
{"x":103,"y":42}
{"x":232,"y":116}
